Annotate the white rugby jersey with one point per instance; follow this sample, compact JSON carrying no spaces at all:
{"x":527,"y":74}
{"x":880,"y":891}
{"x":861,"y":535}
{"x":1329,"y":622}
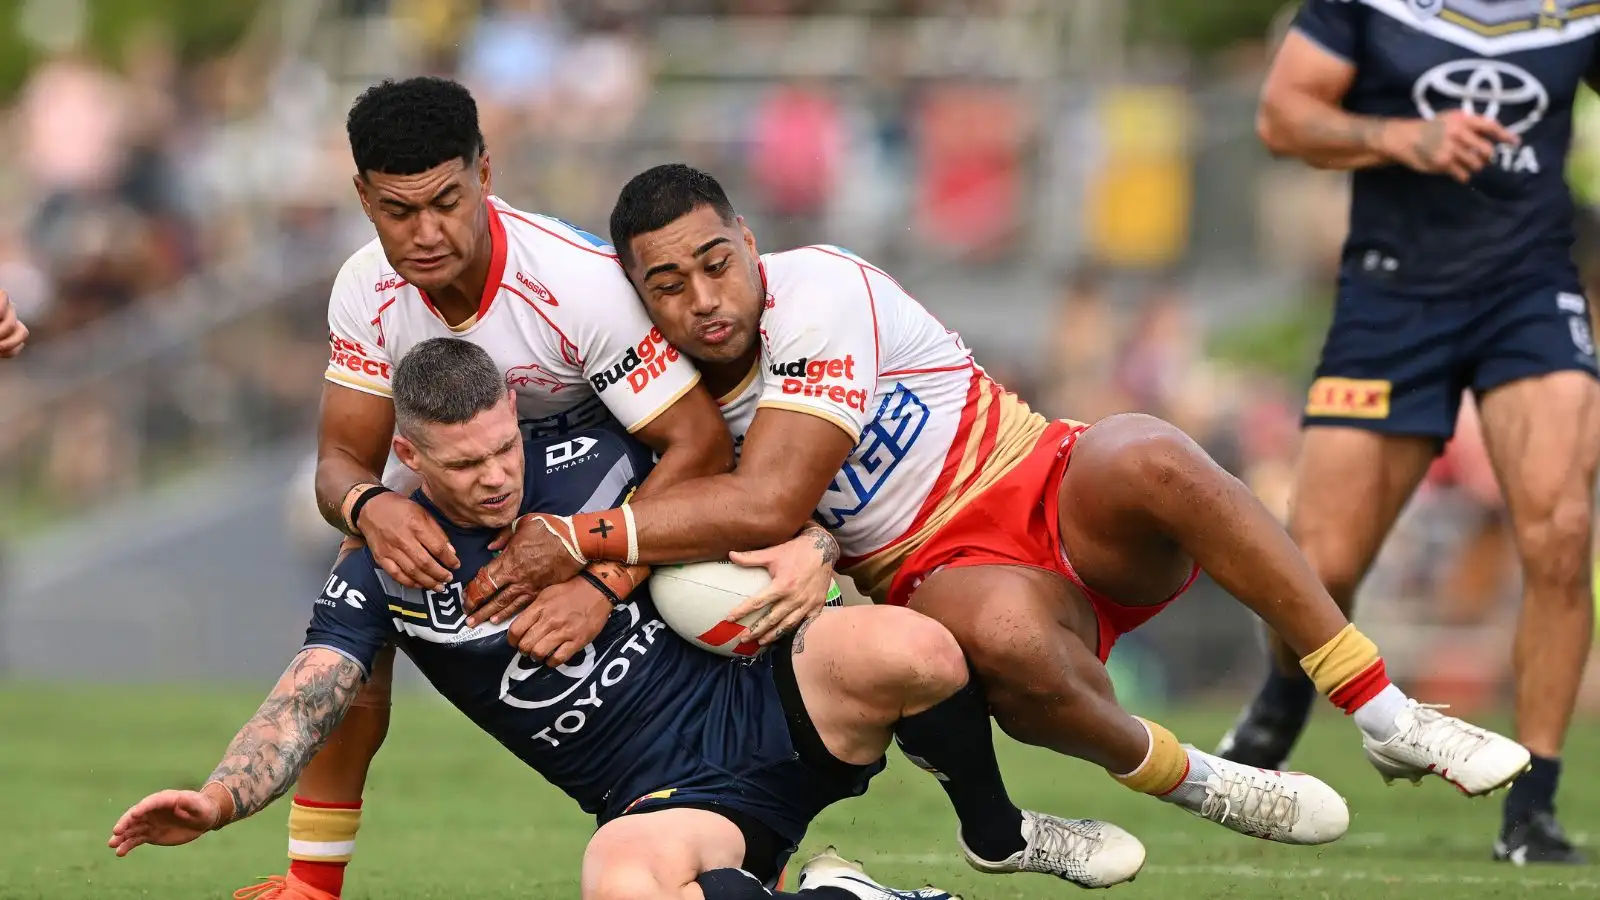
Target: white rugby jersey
{"x":843,"y":341}
{"x":558,"y":315}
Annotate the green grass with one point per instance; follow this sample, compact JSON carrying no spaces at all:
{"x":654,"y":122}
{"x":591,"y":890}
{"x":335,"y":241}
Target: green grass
{"x":451,"y":815}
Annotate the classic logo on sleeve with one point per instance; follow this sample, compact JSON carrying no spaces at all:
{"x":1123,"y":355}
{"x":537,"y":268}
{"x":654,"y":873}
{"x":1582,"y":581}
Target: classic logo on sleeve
{"x":819,"y":378}
{"x":352,"y":356}
{"x":639,"y":366}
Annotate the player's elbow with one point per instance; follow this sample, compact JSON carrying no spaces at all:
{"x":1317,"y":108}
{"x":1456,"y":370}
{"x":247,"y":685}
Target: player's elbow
{"x":703,"y":452}
{"x":774,"y":516}
{"x":1272,"y":128}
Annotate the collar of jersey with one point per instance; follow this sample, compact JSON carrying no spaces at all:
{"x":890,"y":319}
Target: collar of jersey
{"x":497,"y":272}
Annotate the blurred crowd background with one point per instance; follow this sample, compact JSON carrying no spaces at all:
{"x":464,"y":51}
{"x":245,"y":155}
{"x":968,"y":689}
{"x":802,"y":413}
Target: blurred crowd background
{"x":1075,"y":186}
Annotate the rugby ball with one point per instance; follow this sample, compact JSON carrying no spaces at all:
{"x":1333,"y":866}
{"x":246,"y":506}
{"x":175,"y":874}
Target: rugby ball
{"x":694,"y":599}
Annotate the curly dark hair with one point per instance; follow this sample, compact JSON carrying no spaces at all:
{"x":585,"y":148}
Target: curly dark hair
{"x":410,"y":126}
{"x":657,"y":196}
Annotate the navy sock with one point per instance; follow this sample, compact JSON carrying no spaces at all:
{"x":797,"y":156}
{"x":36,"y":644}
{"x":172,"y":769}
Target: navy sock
{"x":1534,"y":790}
{"x":1284,"y":700}
{"x":737,"y":884}
{"x":952,"y":741}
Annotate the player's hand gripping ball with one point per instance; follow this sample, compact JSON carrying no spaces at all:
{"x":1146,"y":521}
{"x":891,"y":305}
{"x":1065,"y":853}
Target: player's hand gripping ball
{"x":695,"y":599}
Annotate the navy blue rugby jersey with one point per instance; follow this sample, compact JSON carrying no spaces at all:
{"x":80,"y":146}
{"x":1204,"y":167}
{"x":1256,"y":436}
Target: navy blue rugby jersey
{"x":584,"y":725}
{"x":1519,"y":61}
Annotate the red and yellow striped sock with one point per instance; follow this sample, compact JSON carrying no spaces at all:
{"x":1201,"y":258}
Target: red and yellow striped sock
{"x":1347,"y":669}
{"x":322,"y":838}
{"x":1164,"y":767}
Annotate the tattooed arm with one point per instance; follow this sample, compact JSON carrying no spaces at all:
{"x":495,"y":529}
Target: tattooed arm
{"x":265,"y":758}
{"x":267,"y":754}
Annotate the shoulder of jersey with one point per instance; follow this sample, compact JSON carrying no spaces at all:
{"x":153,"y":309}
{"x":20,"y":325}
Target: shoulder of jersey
{"x":368,"y":276}
{"x":547,"y":243}
{"x":804,"y":267}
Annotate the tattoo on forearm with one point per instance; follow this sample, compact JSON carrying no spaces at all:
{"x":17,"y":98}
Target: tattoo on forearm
{"x":823,"y":543}
{"x":268,"y":754}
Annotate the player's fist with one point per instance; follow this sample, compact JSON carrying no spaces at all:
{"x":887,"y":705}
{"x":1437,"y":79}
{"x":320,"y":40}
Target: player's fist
{"x":165,"y":818}
{"x":13,"y":334}
{"x":1455,"y":143}
{"x":561,"y":622}
{"x":407,"y":542}
{"x":540,"y":552}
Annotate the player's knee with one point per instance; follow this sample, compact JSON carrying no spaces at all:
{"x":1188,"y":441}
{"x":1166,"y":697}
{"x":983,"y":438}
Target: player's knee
{"x":1555,"y":542}
{"x":932,"y":662}
{"x":1137,"y":449}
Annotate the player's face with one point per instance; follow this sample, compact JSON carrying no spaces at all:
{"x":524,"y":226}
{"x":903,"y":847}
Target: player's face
{"x":700,"y":279}
{"x":431,"y":224}
{"x":471,"y":470}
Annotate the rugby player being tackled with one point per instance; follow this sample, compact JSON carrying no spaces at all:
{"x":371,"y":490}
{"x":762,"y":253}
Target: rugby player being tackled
{"x":702,"y":772}
{"x":1035,"y":543}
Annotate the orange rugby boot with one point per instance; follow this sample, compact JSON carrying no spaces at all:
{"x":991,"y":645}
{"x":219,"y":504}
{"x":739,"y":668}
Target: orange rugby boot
{"x":282,"y":887}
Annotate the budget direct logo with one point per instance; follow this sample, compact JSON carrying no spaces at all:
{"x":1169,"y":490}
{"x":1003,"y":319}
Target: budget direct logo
{"x":810,"y":378}
{"x":352,"y":356}
{"x":640,"y":365}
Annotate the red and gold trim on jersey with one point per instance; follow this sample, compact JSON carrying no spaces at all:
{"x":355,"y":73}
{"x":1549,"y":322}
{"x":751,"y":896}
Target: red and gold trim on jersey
{"x":997,"y":431}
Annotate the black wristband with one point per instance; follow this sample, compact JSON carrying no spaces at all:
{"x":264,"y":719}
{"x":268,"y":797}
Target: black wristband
{"x":355,"y":508}
{"x":601,"y":586}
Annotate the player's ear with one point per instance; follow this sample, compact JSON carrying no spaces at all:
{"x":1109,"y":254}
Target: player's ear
{"x":485,"y":173}
{"x":361,"y":194}
{"x":748,"y":235}
{"x":407,"y":452}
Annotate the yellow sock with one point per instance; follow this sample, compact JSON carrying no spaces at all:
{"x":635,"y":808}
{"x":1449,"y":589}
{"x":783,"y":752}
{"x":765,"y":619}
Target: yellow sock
{"x":1347,"y":669}
{"x":322,"y":838}
{"x":1164,"y":767}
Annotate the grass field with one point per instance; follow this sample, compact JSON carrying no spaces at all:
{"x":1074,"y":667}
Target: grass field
{"x":451,"y":815}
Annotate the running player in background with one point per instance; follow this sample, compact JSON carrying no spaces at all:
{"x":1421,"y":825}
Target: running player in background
{"x":1456,"y":118}
{"x":947,"y":493}
{"x":703,"y":773}
{"x":13,"y":334}
{"x":550,"y":305}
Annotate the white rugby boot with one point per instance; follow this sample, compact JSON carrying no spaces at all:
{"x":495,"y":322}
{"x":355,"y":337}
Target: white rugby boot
{"x":829,"y":869}
{"x":1427,"y":742}
{"x":1085,"y":852}
{"x":1287,"y":807}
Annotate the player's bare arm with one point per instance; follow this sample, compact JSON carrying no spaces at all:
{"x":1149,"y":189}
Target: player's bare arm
{"x":261,"y":763}
{"x":692,"y":440}
{"x":1301,"y":116}
{"x":353,"y":436}
{"x":788,"y":460}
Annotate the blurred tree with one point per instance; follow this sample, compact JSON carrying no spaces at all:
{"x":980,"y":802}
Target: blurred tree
{"x":200,"y":28}
{"x":1202,"y":25}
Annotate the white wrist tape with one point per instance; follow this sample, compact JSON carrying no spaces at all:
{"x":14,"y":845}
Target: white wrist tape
{"x":632,"y":531}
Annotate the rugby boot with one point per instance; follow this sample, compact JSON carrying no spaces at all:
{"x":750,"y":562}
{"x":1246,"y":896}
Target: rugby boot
{"x":282,"y":887}
{"x":829,"y":869}
{"x":1428,"y":742}
{"x":1537,"y":839}
{"x":1286,"y":807}
{"x":1085,"y":852}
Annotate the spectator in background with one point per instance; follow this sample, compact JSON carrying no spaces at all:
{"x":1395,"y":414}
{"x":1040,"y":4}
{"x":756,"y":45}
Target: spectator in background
{"x":796,"y":138}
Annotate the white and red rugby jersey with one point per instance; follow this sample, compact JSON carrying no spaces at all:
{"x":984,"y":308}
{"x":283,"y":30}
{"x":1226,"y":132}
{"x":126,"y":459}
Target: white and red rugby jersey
{"x":841,"y":340}
{"x":558,"y":315}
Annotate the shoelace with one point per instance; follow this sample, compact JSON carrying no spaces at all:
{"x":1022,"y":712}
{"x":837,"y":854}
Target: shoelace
{"x":1062,"y":842}
{"x":1256,"y":802}
{"x":1459,"y":739}
{"x":271,"y":887}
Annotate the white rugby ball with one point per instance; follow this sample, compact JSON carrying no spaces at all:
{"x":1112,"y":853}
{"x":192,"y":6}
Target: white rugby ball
{"x":694,"y":599}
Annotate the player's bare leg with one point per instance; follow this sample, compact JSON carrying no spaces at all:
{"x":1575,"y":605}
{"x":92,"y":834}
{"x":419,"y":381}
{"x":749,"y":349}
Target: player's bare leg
{"x":866,"y":672}
{"x":1029,"y":633}
{"x":1543,"y":437}
{"x":696,"y":854}
{"x":1350,"y":486}
{"x":1138,"y":490}
{"x":326,"y":810}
